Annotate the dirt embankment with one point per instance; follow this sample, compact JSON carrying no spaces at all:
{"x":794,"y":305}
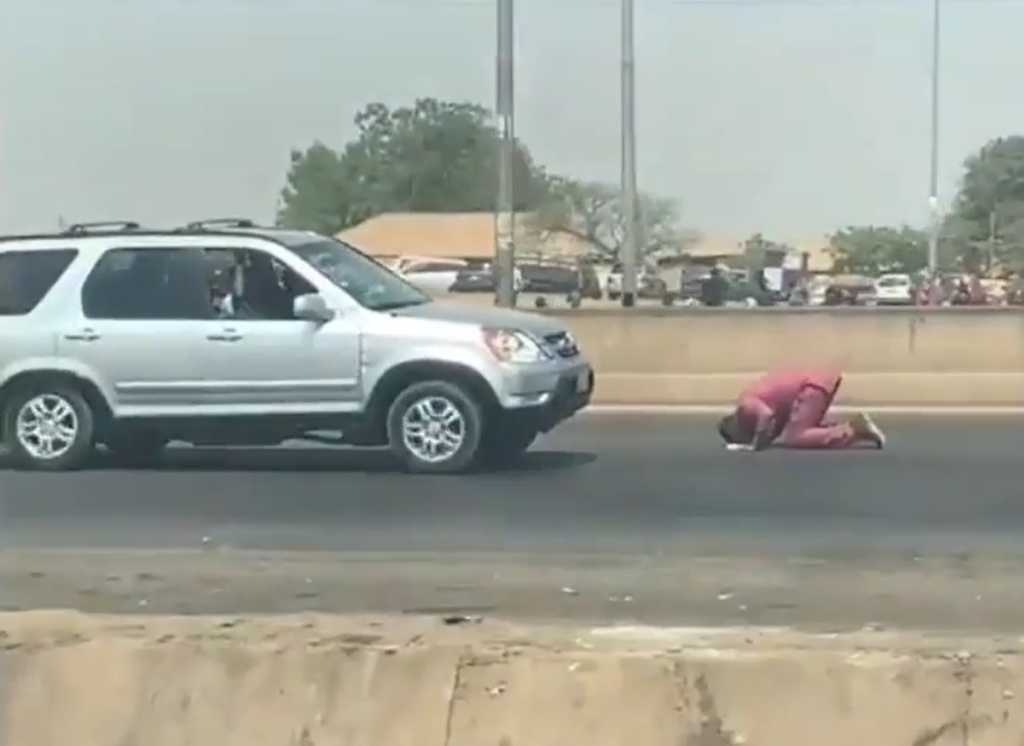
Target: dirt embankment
{"x":325,"y":681}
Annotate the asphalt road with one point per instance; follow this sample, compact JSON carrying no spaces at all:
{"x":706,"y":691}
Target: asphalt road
{"x":601,"y":481}
{"x":628,"y":506}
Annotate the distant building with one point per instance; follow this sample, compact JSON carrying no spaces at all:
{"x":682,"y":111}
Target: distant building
{"x":466,"y":236}
{"x":469,"y":236}
{"x":730,"y":251}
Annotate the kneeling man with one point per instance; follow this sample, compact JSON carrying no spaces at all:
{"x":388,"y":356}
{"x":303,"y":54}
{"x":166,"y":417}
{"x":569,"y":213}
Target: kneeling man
{"x":786,"y":409}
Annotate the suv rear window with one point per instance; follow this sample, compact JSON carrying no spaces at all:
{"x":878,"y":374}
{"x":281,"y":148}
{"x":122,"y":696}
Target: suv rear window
{"x":27,"y":276}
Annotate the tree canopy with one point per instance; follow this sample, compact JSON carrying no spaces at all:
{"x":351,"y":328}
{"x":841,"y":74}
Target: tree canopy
{"x":593,"y":211}
{"x":872,"y":250}
{"x":432,"y":156}
{"x":986,"y":223}
{"x":441,"y":156}
{"x":984,"y":227}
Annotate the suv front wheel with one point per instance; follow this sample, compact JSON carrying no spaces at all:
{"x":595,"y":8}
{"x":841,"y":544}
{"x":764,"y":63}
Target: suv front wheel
{"x":435,"y":427}
{"x":48,"y":428}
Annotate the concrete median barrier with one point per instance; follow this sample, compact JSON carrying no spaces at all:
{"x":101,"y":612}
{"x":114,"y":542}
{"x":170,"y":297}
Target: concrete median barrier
{"x":903,"y":357}
{"x":859,"y":389}
{"x":858,"y":340}
{"x":409,"y":682}
{"x":907,"y":357}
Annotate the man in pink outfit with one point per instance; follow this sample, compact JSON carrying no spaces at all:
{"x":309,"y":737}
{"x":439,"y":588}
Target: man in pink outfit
{"x":787,"y":409}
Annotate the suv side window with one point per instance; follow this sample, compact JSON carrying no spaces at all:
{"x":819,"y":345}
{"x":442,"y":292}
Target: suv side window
{"x":254,"y":285}
{"x":27,"y":276}
{"x":148,"y":284}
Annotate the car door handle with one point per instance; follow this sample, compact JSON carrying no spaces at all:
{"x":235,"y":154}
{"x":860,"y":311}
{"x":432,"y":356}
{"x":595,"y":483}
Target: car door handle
{"x":229,"y":335}
{"x":86,"y":335}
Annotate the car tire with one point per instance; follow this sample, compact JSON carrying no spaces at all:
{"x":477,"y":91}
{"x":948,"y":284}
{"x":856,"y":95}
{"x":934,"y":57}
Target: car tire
{"x":68,"y":410}
{"x":136,"y":449}
{"x":458,"y":418}
{"x":503,"y":446}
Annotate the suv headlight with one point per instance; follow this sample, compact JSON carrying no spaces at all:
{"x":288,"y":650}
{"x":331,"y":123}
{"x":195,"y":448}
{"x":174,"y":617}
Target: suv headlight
{"x":512,"y":346}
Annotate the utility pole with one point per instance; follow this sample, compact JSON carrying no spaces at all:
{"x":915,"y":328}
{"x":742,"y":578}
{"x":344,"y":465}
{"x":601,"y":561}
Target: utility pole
{"x":933,"y":194}
{"x":993,"y":230}
{"x":630,"y":254}
{"x":504,"y":211}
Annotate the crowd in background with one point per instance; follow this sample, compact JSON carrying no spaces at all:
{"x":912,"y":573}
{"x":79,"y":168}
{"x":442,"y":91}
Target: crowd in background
{"x":720,"y":285}
{"x":723,"y":286}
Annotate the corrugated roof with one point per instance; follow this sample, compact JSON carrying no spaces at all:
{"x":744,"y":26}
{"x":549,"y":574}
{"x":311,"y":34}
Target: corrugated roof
{"x":470,"y":235}
{"x":456,"y":235}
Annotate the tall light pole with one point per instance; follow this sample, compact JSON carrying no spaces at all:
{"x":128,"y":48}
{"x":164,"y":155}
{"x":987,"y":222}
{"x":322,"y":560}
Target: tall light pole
{"x":504,"y":209}
{"x":630,"y":254}
{"x":933,"y":195}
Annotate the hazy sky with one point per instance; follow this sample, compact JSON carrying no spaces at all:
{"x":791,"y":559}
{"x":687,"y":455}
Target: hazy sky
{"x":788,"y":117}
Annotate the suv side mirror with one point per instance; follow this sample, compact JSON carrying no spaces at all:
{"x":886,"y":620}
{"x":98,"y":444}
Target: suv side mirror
{"x":312,"y":307}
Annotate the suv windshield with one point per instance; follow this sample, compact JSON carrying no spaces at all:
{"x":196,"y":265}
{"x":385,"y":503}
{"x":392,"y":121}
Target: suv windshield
{"x":371,"y":284}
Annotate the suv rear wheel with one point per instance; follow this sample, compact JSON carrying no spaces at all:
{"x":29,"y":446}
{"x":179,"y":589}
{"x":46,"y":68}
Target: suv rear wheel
{"x":48,"y":427}
{"x":435,"y":427}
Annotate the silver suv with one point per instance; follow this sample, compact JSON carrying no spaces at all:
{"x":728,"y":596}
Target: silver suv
{"x":223,"y":332}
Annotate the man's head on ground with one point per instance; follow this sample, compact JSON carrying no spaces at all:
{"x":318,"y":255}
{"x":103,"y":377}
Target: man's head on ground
{"x":736,"y":429}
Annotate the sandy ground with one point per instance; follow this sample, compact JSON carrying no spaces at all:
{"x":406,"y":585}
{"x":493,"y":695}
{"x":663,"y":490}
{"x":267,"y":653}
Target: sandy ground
{"x":937,"y":593}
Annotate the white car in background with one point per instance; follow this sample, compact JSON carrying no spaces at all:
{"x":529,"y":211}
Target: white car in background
{"x":894,"y":290}
{"x":432,"y":276}
{"x":648,"y":283}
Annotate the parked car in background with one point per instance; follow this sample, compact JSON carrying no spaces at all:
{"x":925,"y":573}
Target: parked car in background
{"x":850,"y":290}
{"x":549,"y":278}
{"x":613,"y":282}
{"x":475,"y":280}
{"x":542,"y":277}
{"x":894,"y":290}
{"x":649,"y":284}
{"x":430,"y":275}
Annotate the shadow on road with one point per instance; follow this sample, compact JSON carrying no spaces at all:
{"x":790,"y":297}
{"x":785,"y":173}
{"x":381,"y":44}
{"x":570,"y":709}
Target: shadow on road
{"x":322,"y":460}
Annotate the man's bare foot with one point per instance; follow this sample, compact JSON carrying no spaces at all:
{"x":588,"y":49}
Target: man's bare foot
{"x":867,"y":430}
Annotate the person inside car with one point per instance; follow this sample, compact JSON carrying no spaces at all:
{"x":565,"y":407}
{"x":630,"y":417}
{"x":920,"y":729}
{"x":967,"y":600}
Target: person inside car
{"x":255,"y":288}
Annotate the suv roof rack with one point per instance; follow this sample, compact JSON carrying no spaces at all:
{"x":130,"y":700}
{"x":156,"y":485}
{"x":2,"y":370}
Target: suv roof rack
{"x":201,"y":225}
{"x":102,"y":226}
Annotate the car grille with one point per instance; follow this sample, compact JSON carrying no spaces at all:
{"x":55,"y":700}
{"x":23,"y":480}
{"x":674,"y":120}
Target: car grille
{"x":562,"y":344}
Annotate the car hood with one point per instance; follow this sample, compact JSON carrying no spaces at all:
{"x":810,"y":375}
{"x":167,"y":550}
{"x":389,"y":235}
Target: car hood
{"x":502,"y":318}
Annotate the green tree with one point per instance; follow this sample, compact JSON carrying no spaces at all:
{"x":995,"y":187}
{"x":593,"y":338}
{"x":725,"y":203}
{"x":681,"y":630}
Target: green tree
{"x":320,"y":192}
{"x":593,"y":212}
{"x":873,"y":250}
{"x":432,"y":156}
{"x":986,"y":223}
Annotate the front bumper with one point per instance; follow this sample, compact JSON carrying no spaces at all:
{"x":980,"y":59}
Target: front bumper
{"x":566,"y":398}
